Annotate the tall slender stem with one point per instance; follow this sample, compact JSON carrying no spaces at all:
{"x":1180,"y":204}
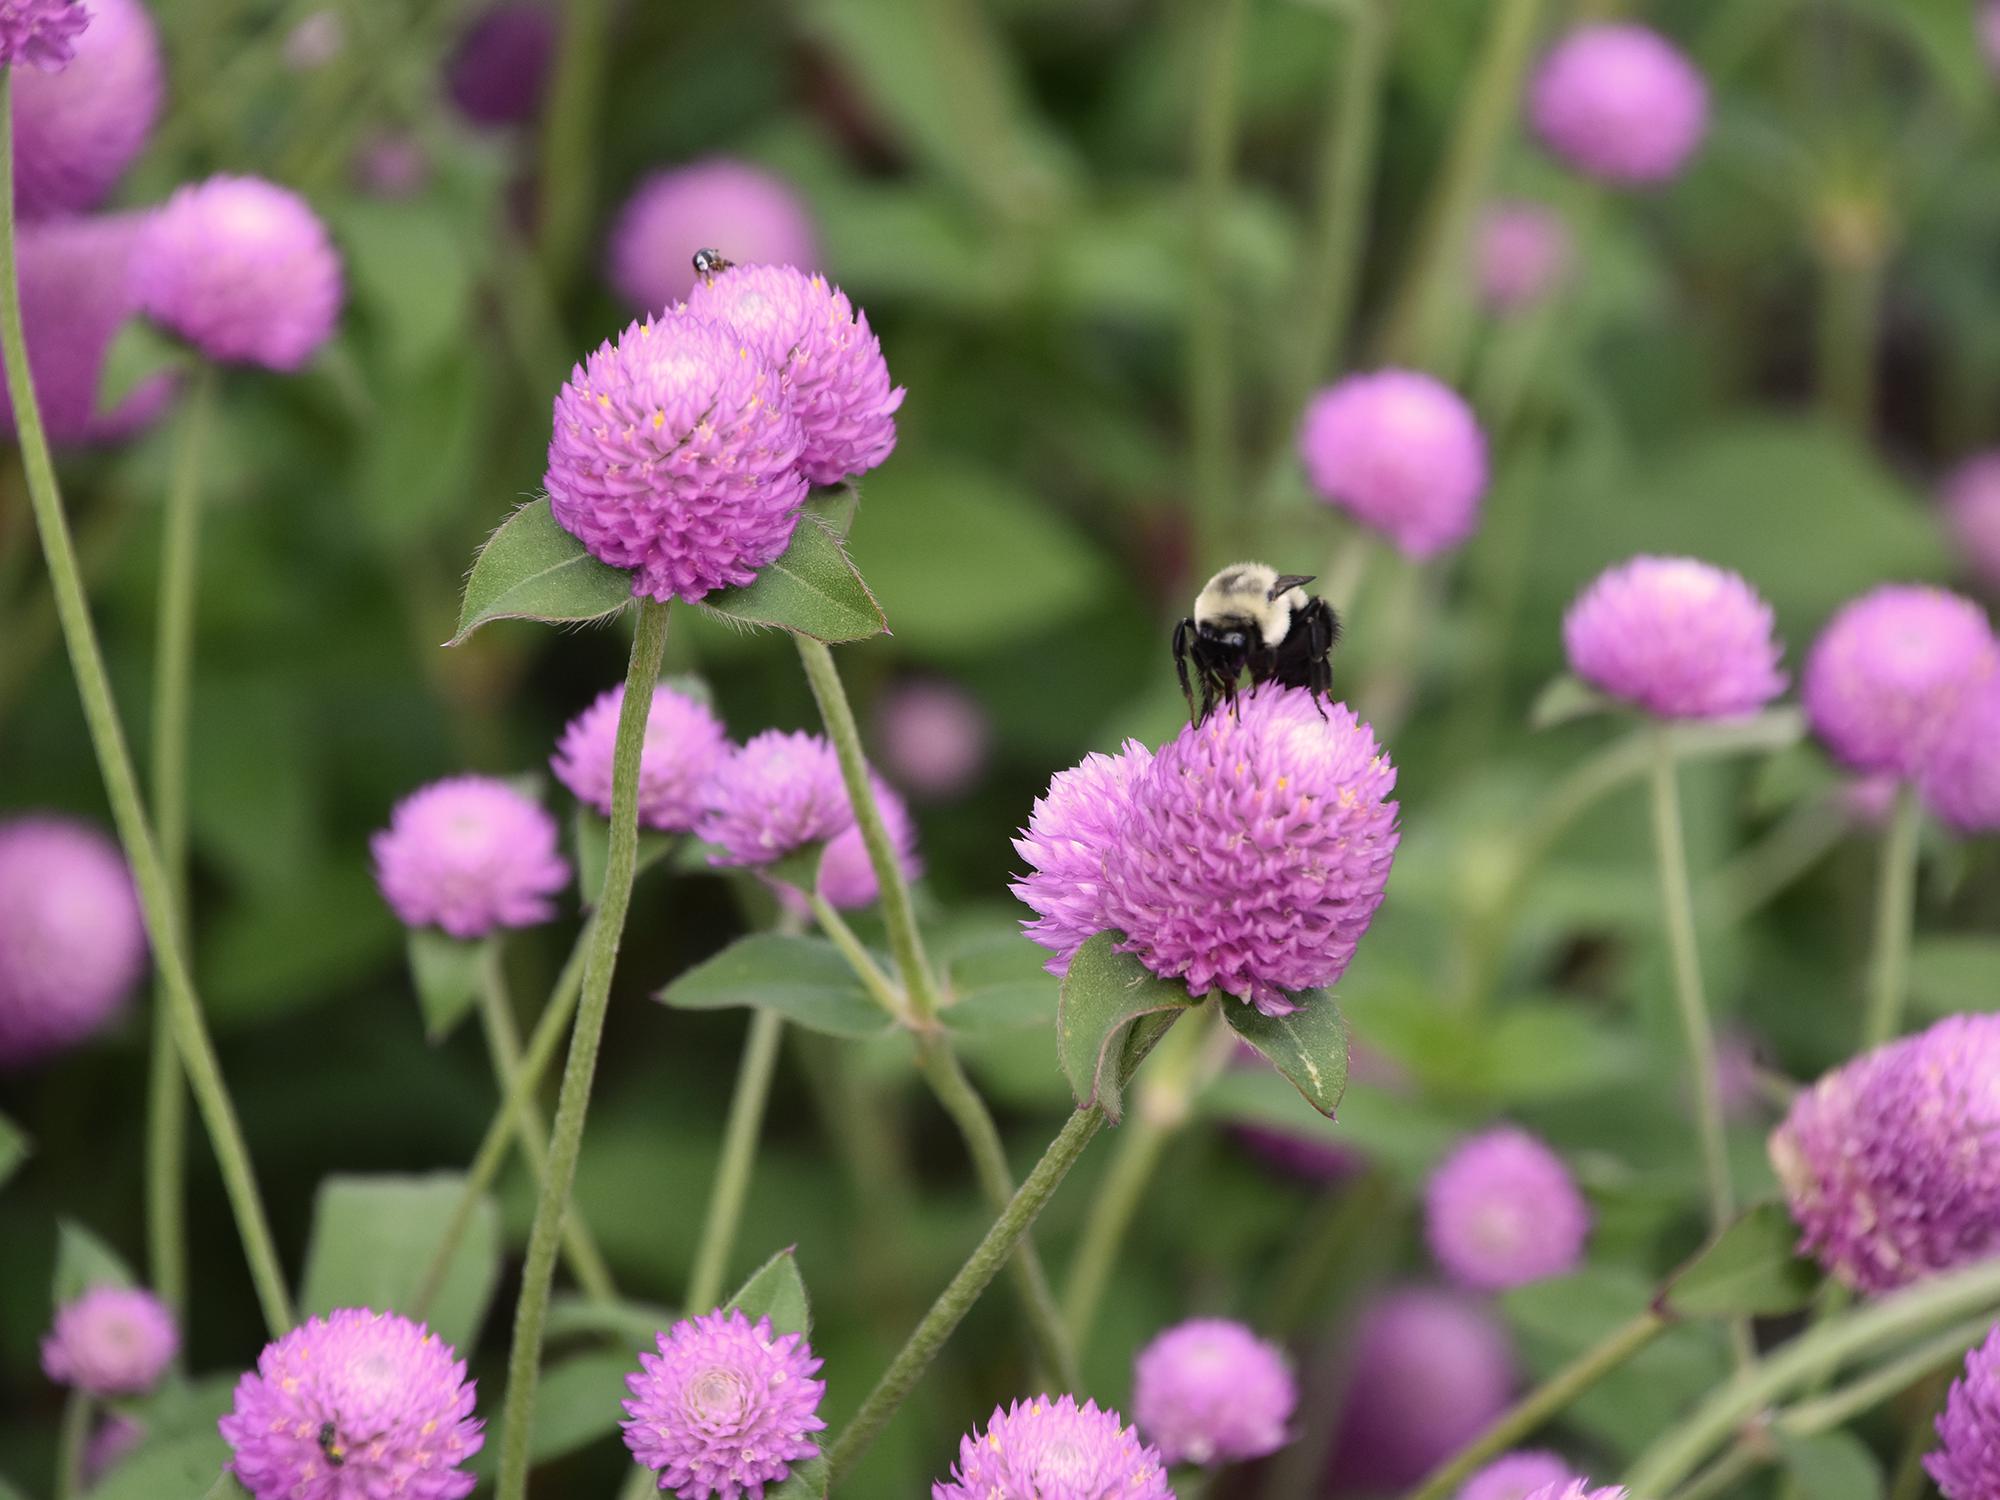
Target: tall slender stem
{"x":173,"y":673}
{"x":569,"y":136}
{"x":649,"y":642}
{"x":121,"y":781}
{"x":71,"y":1441}
{"x":1211,"y":390}
{"x":881,"y":988}
{"x":1895,"y":902}
{"x":739,"y":1156}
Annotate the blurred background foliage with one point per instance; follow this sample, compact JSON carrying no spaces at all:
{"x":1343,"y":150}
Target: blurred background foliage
{"x":1006,"y":188}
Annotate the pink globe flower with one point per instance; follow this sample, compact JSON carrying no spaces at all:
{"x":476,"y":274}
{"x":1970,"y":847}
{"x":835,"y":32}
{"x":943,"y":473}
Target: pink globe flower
{"x":77,"y":130}
{"x":1972,"y":505}
{"x":772,"y":797}
{"x":1515,"y":1476}
{"x":750,"y":215}
{"x":499,"y":71}
{"x":829,"y":362}
{"x":935,"y":737}
{"x":1890,"y":671}
{"x":356,"y":1404}
{"x":469,"y":854}
{"x":1889,"y":1160}
{"x":40,"y":34}
{"x":72,"y":942}
{"x":1502,"y":1211}
{"x":1522,"y":252}
{"x":1209,"y":1391}
{"x":1402,"y":453}
{"x":1046,"y":1449}
{"x":684,"y":745}
{"x":243,"y":270}
{"x":1961,"y":781}
{"x":846,"y":875}
{"x":111,"y":1341}
{"x":1966,"y":1465}
{"x":75,"y":297}
{"x":1620,"y":103}
{"x":675,"y":456}
{"x":725,"y":1408}
{"x":1071,"y":829}
{"x":1677,"y":637}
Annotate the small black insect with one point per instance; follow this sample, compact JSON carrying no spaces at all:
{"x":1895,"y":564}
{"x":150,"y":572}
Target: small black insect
{"x":708,"y":264}
{"x":329,"y":1444}
{"x":1250,"y":618}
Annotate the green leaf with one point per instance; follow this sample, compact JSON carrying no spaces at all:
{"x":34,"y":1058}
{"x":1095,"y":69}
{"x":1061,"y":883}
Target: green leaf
{"x":812,"y":590}
{"x":225,"y":1488}
{"x":373,"y":1238}
{"x":1831,"y":1466}
{"x":14,"y":1148}
{"x":137,"y":353}
{"x":1309,"y":1046}
{"x":593,"y":849}
{"x":634,"y":1323}
{"x":1104,"y":992}
{"x":412,"y":276}
{"x":836,"y":506}
{"x":803,"y":979}
{"x":1953,"y":974}
{"x":9,"y":1491}
{"x":1566,"y":698}
{"x":187,"y":1467}
{"x":84,"y":1261}
{"x":1752,"y":1269}
{"x":447,"y":974}
{"x":777,"y":1292}
{"x":808,"y":1480}
{"x":999,"y":986}
{"x":577,"y":1402}
{"x":531,"y":569}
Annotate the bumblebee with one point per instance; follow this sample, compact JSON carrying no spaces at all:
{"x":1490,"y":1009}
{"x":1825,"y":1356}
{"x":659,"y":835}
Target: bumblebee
{"x":1252,"y":619}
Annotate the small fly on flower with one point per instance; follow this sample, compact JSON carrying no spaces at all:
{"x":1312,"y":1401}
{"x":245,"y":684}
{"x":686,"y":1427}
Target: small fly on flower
{"x":1251,"y":618}
{"x":329,"y":1444}
{"x":708,"y":264}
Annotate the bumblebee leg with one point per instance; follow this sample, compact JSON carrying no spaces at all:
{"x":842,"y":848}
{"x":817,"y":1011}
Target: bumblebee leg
{"x":1181,"y":633}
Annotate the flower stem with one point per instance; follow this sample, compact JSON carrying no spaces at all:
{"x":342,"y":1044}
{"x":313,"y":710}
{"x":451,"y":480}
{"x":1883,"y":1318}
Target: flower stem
{"x":1552,"y":1396}
{"x":1895,"y":902}
{"x":881,"y":988}
{"x":649,"y":642}
{"x":739,"y":1156}
{"x":1210,"y":387}
{"x":70,"y":1443}
{"x":569,"y":136}
{"x":121,"y":782}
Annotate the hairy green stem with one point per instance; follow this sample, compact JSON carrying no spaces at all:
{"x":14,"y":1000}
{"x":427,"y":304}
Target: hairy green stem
{"x":881,"y":988}
{"x":569,"y":137}
{"x":739,"y":1156}
{"x":1895,"y":904}
{"x":71,"y":1440}
{"x":173,"y":674}
{"x":121,"y":781}
{"x":649,"y":642}
{"x":1211,"y":390}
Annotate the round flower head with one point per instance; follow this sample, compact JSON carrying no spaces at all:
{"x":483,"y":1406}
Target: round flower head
{"x":846,"y":877}
{"x":1054,"y":1450}
{"x":243,"y":270}
{"x":40,"y":34}
{"x":351,"y":1406}
{"x":1429,"y":1369}
{"x":675,"y":456}
{"x":1257,"y":849}
{"x":500,"y":68}
{"x":684,"y":744}
{"x":830,"y":364}
{"x":1972,"y":505}
{"x":1892,"y":1161}
{"x":1068,"y":835}
{"x":111,"y":1341}
{"x":75,"y":296}
{"x":1523,"y":250}
{"x":1515,"y":1476}
{"x":77,"y":130}
{"x":1961,"y":782}
{"x":1619,"y":102}
{"x":1888,"y":674}
{"x":1967,"y":1465}
{"x":1503,"y":1211}
{"x":469,"y":854}
{"x":1210,"y":1391}
{"x":772,"y":797}
{"x":1676,"y":637}
{"x":751,"y":216}
{"x":72,"y":943}
{"x":935,"y":737}
{"x":725,"y":1408}
{"x":1400,"y":452}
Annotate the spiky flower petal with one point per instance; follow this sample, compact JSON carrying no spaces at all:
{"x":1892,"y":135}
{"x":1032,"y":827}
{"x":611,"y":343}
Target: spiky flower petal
{"x":1579,"y":1489}
{"x":40,"y":34}
{"x":1966,"y":1466}
{"x":1071,"y":829}
{"x":1053,"y":1449}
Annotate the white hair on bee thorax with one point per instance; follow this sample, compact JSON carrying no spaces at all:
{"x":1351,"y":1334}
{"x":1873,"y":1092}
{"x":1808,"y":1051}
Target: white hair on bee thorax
{"x":1240,"y":595}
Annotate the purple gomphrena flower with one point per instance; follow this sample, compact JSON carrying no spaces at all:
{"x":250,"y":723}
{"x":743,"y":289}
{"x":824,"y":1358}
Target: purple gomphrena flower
{"x":1429,"y":1369}
{"x":113,"y":1441}
{"x":1972,"y":503}
{"x":830,"y":363}
{"x":1961,"y":781}
{"x":500,"y":69}
{"x":1210,"y":1391}
{"x":1888,"y":1161}
{"x":751,"y":216}
{"x":393,"y":1394}
{"x":1068,"y":835}
{"x":773,"y":796}
{"x":77,"y":130}
{"x":1677,"y":637}
{"x":1967,"y":1465}
{"x":1522,"y":251}
{"x":684,"y":744}
{"x":1620,"y":103}
{"x":1515,"y":1476}
{"x":242,"y":269}
{"x":72,"y":943}
{"x":1502,"y":1211}
{"x":846,"y":876}
{"x":40,"y":34}
{"x":675,"y":456}
{"x":1257,"y":850}
{"x":469,"y":854}
{"x":1579,"y":1489}
{"x":1047,"y":1449}
{"x":725,"y":1408}
{"x":1401,"y":452}
{"x":111,"y":1341}
{"x":75,"y":296}
{"x":1889,"y":672}
{"x":935,"y":737}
